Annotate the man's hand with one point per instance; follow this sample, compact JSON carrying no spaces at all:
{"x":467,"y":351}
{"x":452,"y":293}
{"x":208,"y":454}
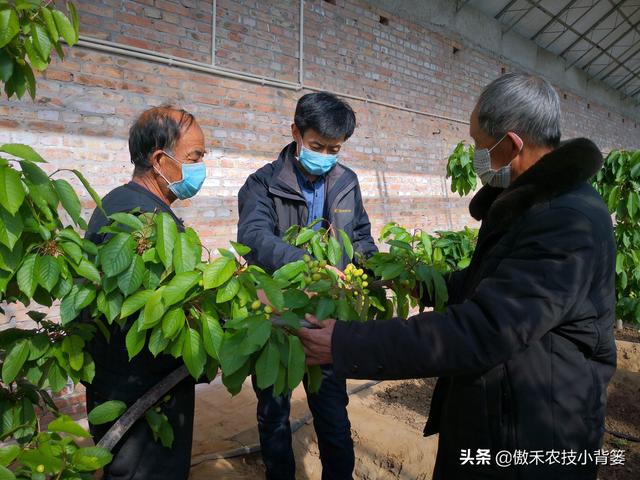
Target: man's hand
{"x":317,"y":341}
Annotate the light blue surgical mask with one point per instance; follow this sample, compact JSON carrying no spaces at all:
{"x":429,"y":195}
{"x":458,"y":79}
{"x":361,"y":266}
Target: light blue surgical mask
{"x":193,"y":175}
{"x":317,"y":163}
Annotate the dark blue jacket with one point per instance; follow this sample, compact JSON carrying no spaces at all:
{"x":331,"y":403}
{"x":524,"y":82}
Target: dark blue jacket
{"x":270,"y":202}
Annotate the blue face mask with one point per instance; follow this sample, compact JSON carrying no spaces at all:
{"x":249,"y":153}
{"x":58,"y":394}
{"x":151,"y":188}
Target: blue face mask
{"x":193,"y":175}
{"x":317,"y":163}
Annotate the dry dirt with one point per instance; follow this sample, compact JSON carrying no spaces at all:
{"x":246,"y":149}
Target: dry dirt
{"x":387,"y":421}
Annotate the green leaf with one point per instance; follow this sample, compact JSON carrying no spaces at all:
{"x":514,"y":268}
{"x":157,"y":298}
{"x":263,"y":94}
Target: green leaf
{"x":90,"y":459}
{"x":619,"y":262}
{"x":131,"y":279}
{"x":72,"y":345}
{"x":230,"y":360}
{"x":273,"y":292}
{"x":304,"y":236}
{"x":166,"y":233}
{"x":65,"y":424}
{"x":34,"y":57}
{"x":391,"y":271}
{"x":135,"y":302}
{"x":295,"y":298}
{"x":346,"y":242}
{"x":87,"y":270}
{"x":107,"y":412}
{"x":8,"y":454}
{"x":318,"y":252}
{"x":9,"y":25}
{"x":11,"y":190}
{"x":218,"y":272}
{"x":14,"y":361}
{"x":632,"y":204}
{"x":117,"y":254}
{"x":176,"y":290}
{"x":11,"y":228}
{"x":74,"y":17}
{"x":334,"y":251}
{"x":240,"y":249}
{"x":212,"y":335}
{"x":73,"y":252}
{"x":47,"y":271}
{"x":186,"y":255}
{"x":326,"y":307}
{"x":27,"y":280}
{"x":194,"y":354}
{"x":228,"y":291}
{"x":92,"y":193}
{"x":296,"y":366}
{"x":69,"y":199}
{"x":6,"y":66}
{"x":57,"y":380}
{"x":22,"y":151}
{"x":172,"y":322}
{"x":65,"y":28}
{"x":5,"y":473}
{"x":157,"y":341}
{"x":134,"y":340}
{"x":314,"y":378}
{"x":290,"y":270}
{"x":153,"y":310}
{"x":614,"y":197}
{"x":127,"y":219}
{"x":267,"y":366}
{"x":51,"y":24}
{"x":110,"y":304}
{"x":41,"y":41}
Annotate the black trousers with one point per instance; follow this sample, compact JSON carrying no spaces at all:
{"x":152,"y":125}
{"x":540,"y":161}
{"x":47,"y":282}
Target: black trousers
{"x":138,"y":456}
{"x":329,"y":409}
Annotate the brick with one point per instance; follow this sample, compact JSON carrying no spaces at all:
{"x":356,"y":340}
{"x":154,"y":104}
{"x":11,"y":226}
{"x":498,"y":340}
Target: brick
{"x":399,"y":156}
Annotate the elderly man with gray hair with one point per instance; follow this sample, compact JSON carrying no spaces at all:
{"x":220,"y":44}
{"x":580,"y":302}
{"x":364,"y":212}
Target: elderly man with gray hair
{"x":525,"y":347}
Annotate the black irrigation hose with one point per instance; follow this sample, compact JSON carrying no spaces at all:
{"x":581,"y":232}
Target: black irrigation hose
{"x":248,"y":449}
{"x":631,"y":438}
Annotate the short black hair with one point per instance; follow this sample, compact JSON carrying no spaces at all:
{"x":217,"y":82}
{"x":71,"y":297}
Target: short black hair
{"x":325,"y":113}
{"x":158,"y":128}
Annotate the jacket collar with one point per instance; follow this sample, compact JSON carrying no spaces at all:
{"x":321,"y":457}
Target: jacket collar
{"x":572,"y":163}
{"x":285,"y":180}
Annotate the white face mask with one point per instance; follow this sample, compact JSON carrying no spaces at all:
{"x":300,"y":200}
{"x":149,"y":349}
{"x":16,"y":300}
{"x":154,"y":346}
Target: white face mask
{"x":500,"y":178}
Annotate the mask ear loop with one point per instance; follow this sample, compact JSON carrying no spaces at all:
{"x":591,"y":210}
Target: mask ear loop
{"x":498,"y":142}
{"x":160,"y":173}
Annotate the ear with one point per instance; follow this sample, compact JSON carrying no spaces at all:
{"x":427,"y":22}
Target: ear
{"x":155,"y":158}
{"x":516,"y":141}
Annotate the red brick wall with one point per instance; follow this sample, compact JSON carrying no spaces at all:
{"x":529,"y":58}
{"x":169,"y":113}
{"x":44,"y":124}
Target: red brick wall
{"x":86,"y":103}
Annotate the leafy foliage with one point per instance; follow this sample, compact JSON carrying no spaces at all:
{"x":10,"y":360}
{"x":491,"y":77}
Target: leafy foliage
{"x":619,"y":184}
{"x":30,"y":31}
{"x":460,"y":169}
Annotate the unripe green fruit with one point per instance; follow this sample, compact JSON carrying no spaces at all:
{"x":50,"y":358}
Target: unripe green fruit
{"x":158,"y":409}
{"x":365,"y":276}
{"x":316,"y":277}
{"x":323,"y":263}
{"x":268,"y":309}
{"x":40,"y":468}
{"x":256,"y":305}
{"x":306,"y":258}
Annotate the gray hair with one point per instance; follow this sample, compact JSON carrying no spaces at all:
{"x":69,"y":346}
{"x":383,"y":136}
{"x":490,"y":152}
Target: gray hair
{"x":521,"y":103}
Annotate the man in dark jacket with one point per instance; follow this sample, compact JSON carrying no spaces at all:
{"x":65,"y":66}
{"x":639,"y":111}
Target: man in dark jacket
{"x":306,"y":184}
{"x":525,"y":348}
{"x":167,"y":149}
